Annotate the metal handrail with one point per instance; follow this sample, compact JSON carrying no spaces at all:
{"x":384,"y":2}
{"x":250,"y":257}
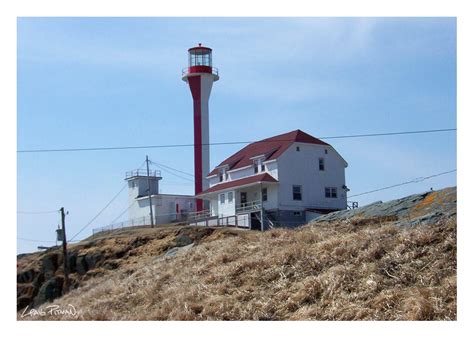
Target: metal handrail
{"x":185,"y":71}
{"x":142,"y":172}
{"x":249,"y":206}
{"x":198,"y":214}
{"x":143,"y":221}
{"x":352,"y":205}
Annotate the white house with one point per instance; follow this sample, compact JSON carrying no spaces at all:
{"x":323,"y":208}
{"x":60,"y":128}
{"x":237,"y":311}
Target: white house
{"x":284,"y":180}
{"x":166,"y":208}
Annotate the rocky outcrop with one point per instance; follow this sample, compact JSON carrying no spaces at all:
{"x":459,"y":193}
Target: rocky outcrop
{"x":49,"y":290}
{"x":40,"y":275}
{"x":408,"y":211}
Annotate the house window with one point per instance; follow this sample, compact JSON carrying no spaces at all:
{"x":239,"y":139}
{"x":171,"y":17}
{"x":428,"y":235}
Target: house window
{"x":255,"y":167}
{"x":297,"y":148}
{"x":222,"y":198}
{"x":297,"y":192}
{"x":325,"y":151}
{"x":330,"y":192}
{"x":230,"y":196}
{"x":262,"y":167}
{"x":296,"y":213}
{"x":321,"y":164}
{"x":264,"y":195}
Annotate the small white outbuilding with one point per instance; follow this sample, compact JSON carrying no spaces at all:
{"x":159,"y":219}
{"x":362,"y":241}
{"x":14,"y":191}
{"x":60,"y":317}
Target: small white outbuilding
{"x":167,"y":208}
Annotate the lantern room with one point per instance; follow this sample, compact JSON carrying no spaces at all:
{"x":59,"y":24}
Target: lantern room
{"x":200,"y":56}
{"x":200,"y":62}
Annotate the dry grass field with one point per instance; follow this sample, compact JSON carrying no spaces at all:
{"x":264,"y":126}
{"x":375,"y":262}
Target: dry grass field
{"x":345,"y":270}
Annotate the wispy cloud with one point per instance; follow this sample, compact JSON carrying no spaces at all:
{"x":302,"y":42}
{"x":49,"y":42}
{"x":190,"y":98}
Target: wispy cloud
{"x":256,"y":43}
{"x":51,"y":46}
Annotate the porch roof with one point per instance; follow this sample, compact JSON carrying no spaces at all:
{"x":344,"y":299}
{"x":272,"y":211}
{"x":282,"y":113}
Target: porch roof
{"x":246,"y":181}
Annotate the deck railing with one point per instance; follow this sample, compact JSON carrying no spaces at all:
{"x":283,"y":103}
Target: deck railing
{"x":185,"y":71}
{"x":142,"y":172}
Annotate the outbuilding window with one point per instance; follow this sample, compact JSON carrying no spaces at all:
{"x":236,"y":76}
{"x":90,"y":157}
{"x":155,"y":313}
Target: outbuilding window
{"x":297,"y":193}
{"x":330,"y":192}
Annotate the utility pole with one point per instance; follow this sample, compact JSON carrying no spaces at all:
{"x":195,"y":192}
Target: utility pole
{"x":261,"y":209}
{"x":65,"y":257}
{"x":149,"y":190}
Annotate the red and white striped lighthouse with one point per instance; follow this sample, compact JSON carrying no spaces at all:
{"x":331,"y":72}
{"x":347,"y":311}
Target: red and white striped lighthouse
{"x":200,"y":76}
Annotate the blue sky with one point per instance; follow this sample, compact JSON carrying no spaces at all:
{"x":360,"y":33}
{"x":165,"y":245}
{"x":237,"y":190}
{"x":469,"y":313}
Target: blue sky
{"x":87,"y":82}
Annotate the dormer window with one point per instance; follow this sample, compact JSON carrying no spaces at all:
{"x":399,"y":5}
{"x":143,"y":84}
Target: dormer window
{"x":258,"y":166}
{"x":223,"y":175}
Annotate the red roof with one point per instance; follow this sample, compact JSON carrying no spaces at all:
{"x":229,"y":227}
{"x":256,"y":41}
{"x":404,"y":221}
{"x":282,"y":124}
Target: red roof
{"x":240,"y":182}
{"x":272,"y":147}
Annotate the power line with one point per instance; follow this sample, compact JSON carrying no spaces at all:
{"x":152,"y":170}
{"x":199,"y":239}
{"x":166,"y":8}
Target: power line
{"x":172,"y":183}
{"x":37,"y":212}
{"x":228,"y":143}
{"x":390,"y":134}
{"x":171,"y":168}
{"x":416,"y":180}
{"x":123,"y":212}
{"x":34,"y":240}
{"x":171,"y":172}
{"x":100,"y":212}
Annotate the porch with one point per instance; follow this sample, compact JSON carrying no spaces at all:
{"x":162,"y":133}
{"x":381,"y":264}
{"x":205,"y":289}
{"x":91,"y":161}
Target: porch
{"x":247,"y":215}
{"x":238,"y":203}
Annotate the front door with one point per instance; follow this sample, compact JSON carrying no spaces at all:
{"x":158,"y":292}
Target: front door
{"x":243,"y":198}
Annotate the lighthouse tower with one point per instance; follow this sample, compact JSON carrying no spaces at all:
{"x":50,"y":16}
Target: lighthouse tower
{"x":200,"y":75}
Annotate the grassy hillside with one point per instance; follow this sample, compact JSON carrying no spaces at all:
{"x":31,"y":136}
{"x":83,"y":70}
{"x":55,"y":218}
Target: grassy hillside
{"x":354,"y":269}
{"x":329,"y":271}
